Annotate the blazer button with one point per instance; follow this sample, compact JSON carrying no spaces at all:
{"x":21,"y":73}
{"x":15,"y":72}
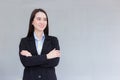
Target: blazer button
{"x":39,"y":76}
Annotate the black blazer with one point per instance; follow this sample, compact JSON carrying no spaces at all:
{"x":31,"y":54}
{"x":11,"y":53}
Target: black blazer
{"x":38,"y":67}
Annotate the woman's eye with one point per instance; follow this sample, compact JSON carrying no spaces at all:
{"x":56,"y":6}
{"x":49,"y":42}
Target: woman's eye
{"x":45,"y":19}
{"x":38,"y":18}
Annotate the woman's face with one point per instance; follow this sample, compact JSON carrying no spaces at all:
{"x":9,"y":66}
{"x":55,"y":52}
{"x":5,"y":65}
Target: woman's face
{"x":39,"y":21}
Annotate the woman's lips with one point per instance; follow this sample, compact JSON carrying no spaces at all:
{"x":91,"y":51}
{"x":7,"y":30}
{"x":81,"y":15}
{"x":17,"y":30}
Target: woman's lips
{"x":41,"y":26}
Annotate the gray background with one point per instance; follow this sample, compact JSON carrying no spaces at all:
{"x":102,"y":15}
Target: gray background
{"x":88,"y":32}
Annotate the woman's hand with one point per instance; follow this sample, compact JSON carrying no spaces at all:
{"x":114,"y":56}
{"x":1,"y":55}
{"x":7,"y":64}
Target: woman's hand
{"x":53,"y":54}
{"x":25,"y":53}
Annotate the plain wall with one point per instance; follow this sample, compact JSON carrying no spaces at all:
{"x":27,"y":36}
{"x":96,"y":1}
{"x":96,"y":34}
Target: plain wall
{"x":88,"y":33}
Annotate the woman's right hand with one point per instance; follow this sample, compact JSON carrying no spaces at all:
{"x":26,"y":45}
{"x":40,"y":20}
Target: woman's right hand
{"x":53,"y":54}
{"x":25,"y":53}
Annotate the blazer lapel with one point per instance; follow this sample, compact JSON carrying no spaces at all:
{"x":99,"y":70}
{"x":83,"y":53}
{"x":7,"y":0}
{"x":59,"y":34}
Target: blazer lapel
{"x":46,"y":45}
{"x":45,"y":48}
{"x":32,"y":46}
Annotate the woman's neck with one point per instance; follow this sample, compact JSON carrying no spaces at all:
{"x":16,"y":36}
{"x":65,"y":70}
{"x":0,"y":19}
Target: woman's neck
{"x":39,"y":34}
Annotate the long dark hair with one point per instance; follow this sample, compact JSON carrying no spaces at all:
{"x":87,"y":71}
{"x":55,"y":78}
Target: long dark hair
{"x":31,"y":27}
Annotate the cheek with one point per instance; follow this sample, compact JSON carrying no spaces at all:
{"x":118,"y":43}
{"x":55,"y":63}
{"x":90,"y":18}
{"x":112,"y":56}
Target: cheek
{"x":33,"y":23}
{"x":45,"y":23}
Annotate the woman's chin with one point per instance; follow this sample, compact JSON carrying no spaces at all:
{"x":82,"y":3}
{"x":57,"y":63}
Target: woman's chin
{"x":41,"y":30}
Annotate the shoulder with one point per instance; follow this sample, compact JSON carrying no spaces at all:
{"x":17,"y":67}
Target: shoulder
{"x":54,"y":42}
{"x":31,"y":38}
{"x":52,"y":37}
{"x":24,"y":39}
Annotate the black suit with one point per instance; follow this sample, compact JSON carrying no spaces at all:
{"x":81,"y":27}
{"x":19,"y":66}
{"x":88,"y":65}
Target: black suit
{"x":38,"y":67}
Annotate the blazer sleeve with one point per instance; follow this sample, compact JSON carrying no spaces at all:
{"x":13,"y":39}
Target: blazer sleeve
{"x":53,"y":62}
{"x":33,"y":60}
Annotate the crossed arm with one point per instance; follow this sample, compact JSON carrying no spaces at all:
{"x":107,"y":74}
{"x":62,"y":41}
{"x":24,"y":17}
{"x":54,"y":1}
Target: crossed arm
{"x":52,"y":54}
{"x":51,"y":59}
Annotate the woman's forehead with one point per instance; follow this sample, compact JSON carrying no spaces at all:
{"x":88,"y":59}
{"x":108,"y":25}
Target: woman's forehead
{"x":40,"y":14}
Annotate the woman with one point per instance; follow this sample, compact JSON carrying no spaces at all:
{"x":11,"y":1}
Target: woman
{"x":39,"y":52}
